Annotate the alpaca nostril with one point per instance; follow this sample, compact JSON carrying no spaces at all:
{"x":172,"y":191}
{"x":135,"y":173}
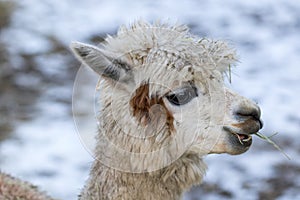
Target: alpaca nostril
{"x":252,"y":112}
{"x":255,"y":114}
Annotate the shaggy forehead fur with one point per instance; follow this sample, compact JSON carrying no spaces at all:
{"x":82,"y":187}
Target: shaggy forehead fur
{"x":162,"y":54}
{"x":139,"y":42}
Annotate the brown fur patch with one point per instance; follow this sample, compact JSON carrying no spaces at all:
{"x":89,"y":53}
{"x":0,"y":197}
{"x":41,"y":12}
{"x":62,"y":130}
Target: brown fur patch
{"x":142,"y":103}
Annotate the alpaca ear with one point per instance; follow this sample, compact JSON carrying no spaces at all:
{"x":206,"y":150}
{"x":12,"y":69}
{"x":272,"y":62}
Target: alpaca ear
{"x":102,"y":64}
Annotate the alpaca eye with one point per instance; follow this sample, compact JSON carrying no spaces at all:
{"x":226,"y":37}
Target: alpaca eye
{"x":183,"y":96}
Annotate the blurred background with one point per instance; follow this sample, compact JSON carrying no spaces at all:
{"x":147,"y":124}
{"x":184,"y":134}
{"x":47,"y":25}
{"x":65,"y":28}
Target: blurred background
{"x":38,"y":139}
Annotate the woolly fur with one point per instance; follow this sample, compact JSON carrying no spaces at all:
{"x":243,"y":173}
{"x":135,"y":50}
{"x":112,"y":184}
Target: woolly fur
{"x":160,"y":57}
{"x":14,"y":189}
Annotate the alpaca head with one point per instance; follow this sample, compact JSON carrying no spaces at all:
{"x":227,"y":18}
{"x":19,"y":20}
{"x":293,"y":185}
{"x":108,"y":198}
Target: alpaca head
{"x":163,"y":95}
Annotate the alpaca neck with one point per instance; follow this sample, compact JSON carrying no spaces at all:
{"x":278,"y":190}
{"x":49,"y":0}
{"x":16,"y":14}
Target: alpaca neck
{"x":168,"y":183}
{"x":107,"y":182}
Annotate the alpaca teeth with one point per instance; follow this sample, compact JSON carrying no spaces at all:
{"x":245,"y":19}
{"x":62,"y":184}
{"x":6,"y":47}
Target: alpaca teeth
{"x":247,"y":139}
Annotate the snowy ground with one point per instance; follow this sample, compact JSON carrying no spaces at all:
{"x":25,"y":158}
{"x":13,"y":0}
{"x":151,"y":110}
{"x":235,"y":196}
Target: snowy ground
{"x":37,"y":75}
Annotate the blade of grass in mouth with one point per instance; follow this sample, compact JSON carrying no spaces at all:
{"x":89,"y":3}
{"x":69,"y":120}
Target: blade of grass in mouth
{"x":268,"y":139}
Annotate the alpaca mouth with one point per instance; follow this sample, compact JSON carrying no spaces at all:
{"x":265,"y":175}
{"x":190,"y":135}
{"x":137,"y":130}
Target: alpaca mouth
{"x":242,"y":138}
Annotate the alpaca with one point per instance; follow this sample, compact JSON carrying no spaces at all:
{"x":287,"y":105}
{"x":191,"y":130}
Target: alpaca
{"x":12,"y":188}
{"x":164,"y":106}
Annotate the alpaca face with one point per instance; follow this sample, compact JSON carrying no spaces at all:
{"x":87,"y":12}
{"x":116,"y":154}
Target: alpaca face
{"x":167,"y":89}
{"x":220,"y":121}
{"x":213,"y":117}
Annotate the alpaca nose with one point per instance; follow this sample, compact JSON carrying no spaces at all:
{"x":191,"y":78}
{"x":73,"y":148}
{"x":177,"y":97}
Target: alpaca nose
{"x":251,"y":111}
